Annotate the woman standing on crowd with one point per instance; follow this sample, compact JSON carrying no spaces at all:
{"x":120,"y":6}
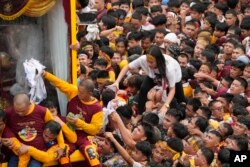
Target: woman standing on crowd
{"x":160,"y":69}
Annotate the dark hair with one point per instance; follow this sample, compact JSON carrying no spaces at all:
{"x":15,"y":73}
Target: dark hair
{"x":53,"y":126}
{"x":221,"y":27}
{"x":244,"y":120}
{"x":198,"y":7}
{"x":151,"y":118}
{"x":121,"y":13}
{"x":227,"y":96}
{"x":107,"y":50}
{"x":147,"y":34}
{"x":208,"y":154}
{"x":93,"y":74}
{"x":212,"y":20}
{"x":242,"y":142}
{"x":102,"y":74}
{"x":224,"y":155}
{"x":135,"y":81}
{"x":119,"y":140}
{"x":125,"y":111}
{"x":137,"y":3}
{"x":107,"y":96}
{"x":206,"y":111}
{"x":149,"y":132}
{"x":155,"y":51}
{"x":229,"y":80}
{"x":180,"y":130}
{"x":161,"y":31}
{"x":83,"y":69}
{"x":232,"y":3}
{"x":185,"y":75}
{"x":209,"y":54}
{"x":134,"y":36}
{"x":137,"y":16}
{"x":239,"y":110}
{"x":195,"y":103}
{"x":50,"y":104}
{"x":217,"y":134}
{"x":242,"y":81}
{"x":83,"y":3}
{"x":113,"y":13}
{"x":245,"y":23}
{"x":222,"y":7}
{"x":229,"y":129}
{"x":3,"y":115}
{"x":145,"y":148}
{"x":174,"y":4}
{"x":195,"y":63}
{"x":109,"y":21}
{"x":101,"y":62}
{"x":115,"y":4}
{"x":236,"y":29}
{"x":156,"y":8}
{"x":158,"y":20}
{"x":123,"y":40}
{"x":238,"y":64}
{"x":201,"y":123}
{"x":177,"y":114}
{"x":134,"y":50}
{"x":238,"y":99}
{"x":143,"y":10}
{"x":104,"y":41}
{"x":188,"y":42}
{"x":214,"y":48}
{"x":127,"y":2}
{"x":176,"y":144}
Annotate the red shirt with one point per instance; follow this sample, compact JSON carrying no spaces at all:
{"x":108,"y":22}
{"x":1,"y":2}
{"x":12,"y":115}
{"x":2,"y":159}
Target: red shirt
{"x":28,"y":129}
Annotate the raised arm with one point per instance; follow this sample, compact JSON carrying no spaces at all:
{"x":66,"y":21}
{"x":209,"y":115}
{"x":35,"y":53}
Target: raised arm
{"x":121,"y":150}
{"x":125,"y":133}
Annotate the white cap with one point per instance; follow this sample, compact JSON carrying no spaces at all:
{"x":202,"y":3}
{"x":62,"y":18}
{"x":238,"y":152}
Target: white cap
{"x":172,"y":37}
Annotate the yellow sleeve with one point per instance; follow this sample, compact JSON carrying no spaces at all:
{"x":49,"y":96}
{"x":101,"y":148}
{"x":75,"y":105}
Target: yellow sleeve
{"x":69,"y":89}
{"x":60,"y":140}
{"x":48,"y":116}
{"x":111,"y":76}
{"x":42,"y":156}
{"x":123,"y":63}
{"x":94,"y":126}
{"x":23,"y":160}
{"x":16,"y":144}
{"x":69,"y":134}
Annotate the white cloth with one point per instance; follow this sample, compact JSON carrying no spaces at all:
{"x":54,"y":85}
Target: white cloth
{"x":172,"y":37}
{"x":33,"y":70}
{"x":173,"y":69}
{"x":93,"y":31}
{"x":111,"y":107}
{"x":136,"y":164}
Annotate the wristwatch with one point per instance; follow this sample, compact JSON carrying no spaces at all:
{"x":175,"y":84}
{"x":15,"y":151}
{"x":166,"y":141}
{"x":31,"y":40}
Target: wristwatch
{"x":166,"y":105}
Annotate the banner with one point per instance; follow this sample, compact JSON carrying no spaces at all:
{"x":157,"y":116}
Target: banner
{"x":11,"y":9}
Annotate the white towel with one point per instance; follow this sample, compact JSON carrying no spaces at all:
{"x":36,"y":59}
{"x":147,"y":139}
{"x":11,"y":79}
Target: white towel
{"x":33,"y":70}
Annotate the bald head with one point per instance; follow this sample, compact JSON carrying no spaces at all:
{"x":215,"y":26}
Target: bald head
{"x":88,"y":84}
{"x":86,"y":89}
{"x":21,"y":104}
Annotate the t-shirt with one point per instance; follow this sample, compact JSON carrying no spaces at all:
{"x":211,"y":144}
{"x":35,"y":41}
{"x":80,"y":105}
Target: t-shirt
{"x":173,"y":70}
{"x":137,"y":164}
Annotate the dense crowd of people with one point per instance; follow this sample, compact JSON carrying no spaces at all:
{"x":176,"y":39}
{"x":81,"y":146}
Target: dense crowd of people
{"x":160,"y":83}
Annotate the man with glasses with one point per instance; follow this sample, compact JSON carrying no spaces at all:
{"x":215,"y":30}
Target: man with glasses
{"x":217,"y":113}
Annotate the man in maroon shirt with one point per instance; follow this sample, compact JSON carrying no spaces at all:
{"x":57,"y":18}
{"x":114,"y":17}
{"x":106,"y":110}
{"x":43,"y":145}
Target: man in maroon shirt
{"x":26,"y":120}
